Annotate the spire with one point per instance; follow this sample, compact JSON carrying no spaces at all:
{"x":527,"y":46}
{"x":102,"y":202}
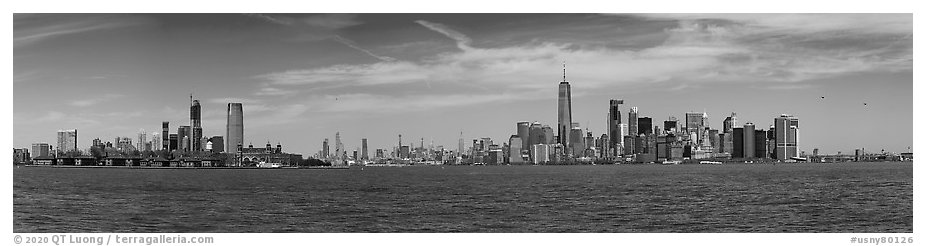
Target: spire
{"x":564,"y":71}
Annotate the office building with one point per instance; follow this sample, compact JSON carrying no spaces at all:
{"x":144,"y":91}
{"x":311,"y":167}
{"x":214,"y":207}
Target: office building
{"x":577,"y":138}
{"x":165,"y":135}
{"x":535,"y":134}
{"x":644,"y":125}
{"x":523,"y":128}
{"x":172,"y":142}
{"x":67,"y":140}
{"x":21,"y":156}
{"x":761,"y":144}
{"x":142,"y":139}
{"x":364,"y":151}
{"x":729,"y":123}
{"x":41,"y":149}
{"x":548,"y":137}
{"x":196,"y":134}
{"x":749,"y":140}
{"x":633,"y":123}
{"x":183,"y":135}
{"x":156,"y":141}
{"x":738,"y":147}
{"x":614,"y":123}
{"x":787,"y":137}
{"x":218,"y":144}
{"x":564,"y":113}
{"x":671,"y":125}
{"x":515,"y":149}
{"x":234,"y":127}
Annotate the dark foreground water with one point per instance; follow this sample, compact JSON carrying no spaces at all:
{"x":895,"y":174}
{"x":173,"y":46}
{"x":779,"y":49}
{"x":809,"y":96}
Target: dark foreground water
{"x":847,"y":197}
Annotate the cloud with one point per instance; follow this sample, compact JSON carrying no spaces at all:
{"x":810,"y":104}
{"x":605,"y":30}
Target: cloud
{"x":33,"y":28}
{"x":351,"y":44}
{"x":694,"y":51}
{"x":270,"y":91}
{"x":332,"y":21}
{"x":226,"y":100}
{"x":810,"y":23}
{"x":286,"y":21}
{"x":463,"y":42}
{"x":95,"y":100}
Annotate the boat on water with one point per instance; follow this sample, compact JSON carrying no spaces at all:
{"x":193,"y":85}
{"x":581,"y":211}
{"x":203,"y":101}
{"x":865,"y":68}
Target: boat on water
{"x":712,"y":162}
{"x":676,"y":162}
{"x":269,"y":165}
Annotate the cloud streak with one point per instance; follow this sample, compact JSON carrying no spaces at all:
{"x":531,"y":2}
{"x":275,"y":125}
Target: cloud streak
{"x":32,"y":28}
{"x":96,"y":100}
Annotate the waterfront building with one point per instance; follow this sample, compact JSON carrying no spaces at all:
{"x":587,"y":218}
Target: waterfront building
{"x":716,"y":140}
{"x":269,"y":154}
{"x":787,"y":137}
{"x":614,"y":124}
{"x":326,"y":150}
{"x":629,"y":145}
{"x":234,"y":126}
{"x":540,"y":153}
{"x":41,"y":149}
{"x":21,"y":156}
{"x":67,"y":140}
{"x":564,"y":113}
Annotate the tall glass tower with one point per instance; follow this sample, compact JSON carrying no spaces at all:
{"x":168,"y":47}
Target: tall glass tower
{"x":564,"y":116}
{"x":234,"y":128}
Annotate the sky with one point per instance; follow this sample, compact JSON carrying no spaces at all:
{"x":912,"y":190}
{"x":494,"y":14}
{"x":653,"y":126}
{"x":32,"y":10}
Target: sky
{"x":303,"y":77}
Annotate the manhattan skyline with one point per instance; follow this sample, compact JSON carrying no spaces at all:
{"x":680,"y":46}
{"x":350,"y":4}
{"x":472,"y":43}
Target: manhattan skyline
{"x":304,"y":77}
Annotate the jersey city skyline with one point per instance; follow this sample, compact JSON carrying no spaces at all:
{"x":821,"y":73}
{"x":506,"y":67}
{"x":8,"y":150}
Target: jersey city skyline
{"x":300,"y":78}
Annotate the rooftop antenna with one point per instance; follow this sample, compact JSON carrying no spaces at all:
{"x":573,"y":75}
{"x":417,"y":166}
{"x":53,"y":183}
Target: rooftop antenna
{"x":564,"y":71}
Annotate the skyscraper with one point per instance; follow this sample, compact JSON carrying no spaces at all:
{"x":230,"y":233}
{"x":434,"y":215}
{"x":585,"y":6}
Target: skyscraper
{"x":564,"y":114}
{"x":670,"y":125}
{"x":339,"y":151}
{"x":218,"y":144}
{"x":523,"y":134}
{"x":547,"y":133}
{"x":632,"y":122}
{"x":644,"y":125}
{"x":787,"y":137}
{"x":234,"y":127}
{"x":172,"y":142}
{"x":165,"y":135}
{"x":749,"y":140}
{"x":142,"y":139}
{"x":364,"y":152}
{"x":67,"y":140}
{"x":738,"y":145}
{"x":326,"y":150}
{"x":196,"y":133}
{"x":614,"y":123}
{"x":536,"y":134}
{"x":156,"y":141}
{"x":183,"y":135}
{"x":514,"y":147}
{"x":729,"y":123}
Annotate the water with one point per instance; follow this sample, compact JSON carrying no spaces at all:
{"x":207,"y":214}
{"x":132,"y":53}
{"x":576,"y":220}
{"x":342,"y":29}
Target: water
{"x":846,"y":197}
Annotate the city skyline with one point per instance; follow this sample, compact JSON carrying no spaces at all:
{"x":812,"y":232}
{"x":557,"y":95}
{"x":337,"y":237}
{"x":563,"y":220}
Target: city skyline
{"x":372,"y":76}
